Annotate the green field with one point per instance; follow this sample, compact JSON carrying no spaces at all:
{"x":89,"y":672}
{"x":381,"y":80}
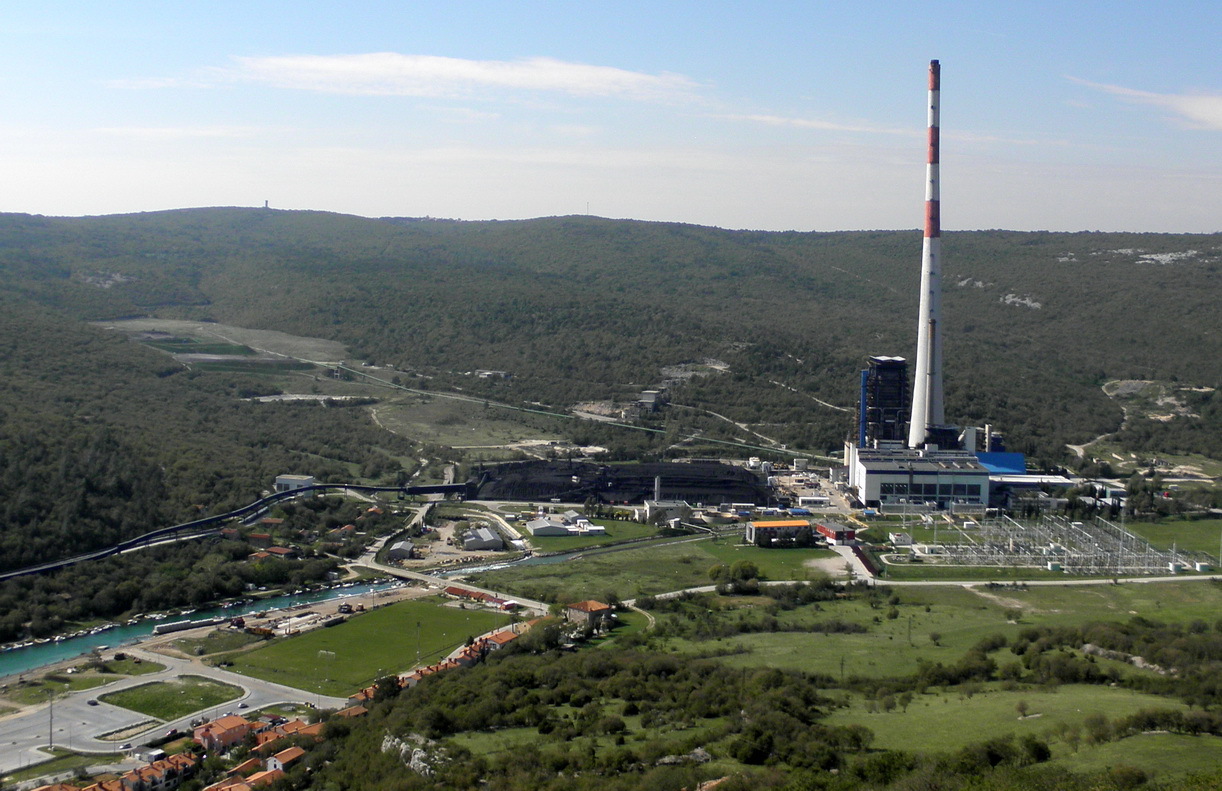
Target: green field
{"x":169,"y":700}
{"x":922,"y":727}
{"x":628,"y":573}
{"x":216,"y":641}
{"x":959,"y":617}
{"x":41,"y":691}
{"x":132,"y":667}
{"x":774,"y":564}
{"x":343,"y":659}
{"x":655,"y":568}
{"x":617,"y":532}
{"x":1160,"y":755}
{"x":1198,"y":535}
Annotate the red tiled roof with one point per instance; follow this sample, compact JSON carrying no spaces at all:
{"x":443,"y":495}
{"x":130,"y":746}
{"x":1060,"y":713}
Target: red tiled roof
{"x":289,"y":755}
{"x":589,"y":606}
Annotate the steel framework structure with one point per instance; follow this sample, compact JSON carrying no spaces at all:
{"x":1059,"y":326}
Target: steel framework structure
{"x":1094,"y":547}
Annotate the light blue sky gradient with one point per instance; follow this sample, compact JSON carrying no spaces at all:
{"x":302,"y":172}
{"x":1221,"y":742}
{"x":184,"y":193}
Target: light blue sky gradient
{"x":776,"y":115}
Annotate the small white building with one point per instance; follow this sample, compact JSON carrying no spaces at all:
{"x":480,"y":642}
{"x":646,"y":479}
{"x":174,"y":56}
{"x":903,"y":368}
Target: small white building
{"x":400,"y":550}
{"x":482,"y":538}
{"x":899,"y":539}
{"x":291,"y":483}
{"x":566,"y":524}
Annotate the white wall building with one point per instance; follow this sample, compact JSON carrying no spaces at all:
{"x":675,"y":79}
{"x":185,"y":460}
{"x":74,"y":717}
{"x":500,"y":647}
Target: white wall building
{"x":892,"y":477}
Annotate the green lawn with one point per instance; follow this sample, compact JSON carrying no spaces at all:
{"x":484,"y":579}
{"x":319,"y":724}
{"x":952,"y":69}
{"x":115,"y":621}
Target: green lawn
{"x":1162,"y":601}
{"x":617,"y":532}
{"x":41,"y":691}
{"x":925,"y":726}
{"x":960,"y":617}
{"x":131,"y":667}
{"x":1161,"y":755}
{"x":628,"y":573}
{"x":774,"y":564}
{"x":216,"y":641}
{"x":343,"y":659}
{"x":168,"y":700}
{"x":1198,"y":535}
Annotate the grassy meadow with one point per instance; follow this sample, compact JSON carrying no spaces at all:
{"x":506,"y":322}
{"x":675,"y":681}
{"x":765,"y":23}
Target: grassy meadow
{"x":958,"y":617}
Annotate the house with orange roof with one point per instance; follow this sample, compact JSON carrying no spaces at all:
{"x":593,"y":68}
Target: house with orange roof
{"x":314,"y":731}
{"x":353,"y":711}
{"x":223,"y":733}
{"x":229,"y":784}
{"x":588,"y":611}
{"x":106,"y":785}
{"x":264,"y":778}
{"x":246,"y":768}
{"x":285,"y":758}
{"x":498,"y":640}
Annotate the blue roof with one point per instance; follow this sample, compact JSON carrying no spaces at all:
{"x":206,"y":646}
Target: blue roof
{"x":1003,"y":463}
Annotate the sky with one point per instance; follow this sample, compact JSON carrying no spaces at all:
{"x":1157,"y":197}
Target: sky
{"x":1068,"y":116}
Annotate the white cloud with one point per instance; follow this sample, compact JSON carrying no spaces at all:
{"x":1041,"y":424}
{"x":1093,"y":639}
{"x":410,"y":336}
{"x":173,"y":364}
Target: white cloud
{"x":395,"y":74}
{"x":814,"y":123}
{"x":1196,"y":110}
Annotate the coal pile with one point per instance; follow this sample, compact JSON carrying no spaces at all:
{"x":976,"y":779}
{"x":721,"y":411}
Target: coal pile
{"x":705,"y":482}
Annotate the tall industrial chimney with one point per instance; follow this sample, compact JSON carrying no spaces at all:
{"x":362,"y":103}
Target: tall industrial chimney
{"x":927,"y":408}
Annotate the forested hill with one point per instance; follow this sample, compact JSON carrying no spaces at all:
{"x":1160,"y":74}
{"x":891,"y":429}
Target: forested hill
{"x":586,"y":308}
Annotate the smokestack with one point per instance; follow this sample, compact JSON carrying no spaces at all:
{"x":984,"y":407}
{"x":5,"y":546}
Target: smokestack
{"x":927,"y":383}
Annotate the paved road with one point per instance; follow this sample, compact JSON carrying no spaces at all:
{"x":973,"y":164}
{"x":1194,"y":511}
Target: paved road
{"x":78,"y":726}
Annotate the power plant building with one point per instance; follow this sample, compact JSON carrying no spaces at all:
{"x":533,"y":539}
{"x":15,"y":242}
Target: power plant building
{"x":892,"y":478}
{"x":922,"y":461}
{"x":884,"y":401}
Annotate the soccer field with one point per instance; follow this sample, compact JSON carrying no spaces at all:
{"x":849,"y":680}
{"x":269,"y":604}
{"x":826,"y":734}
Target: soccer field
{"x":343,"y":659}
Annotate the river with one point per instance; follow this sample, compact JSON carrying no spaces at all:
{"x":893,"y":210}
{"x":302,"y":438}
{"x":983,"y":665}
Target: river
{"x":23,"y":660}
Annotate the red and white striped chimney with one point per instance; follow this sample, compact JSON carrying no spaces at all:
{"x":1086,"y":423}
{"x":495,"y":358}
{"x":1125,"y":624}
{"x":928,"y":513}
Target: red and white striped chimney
{"x":927,"y":407}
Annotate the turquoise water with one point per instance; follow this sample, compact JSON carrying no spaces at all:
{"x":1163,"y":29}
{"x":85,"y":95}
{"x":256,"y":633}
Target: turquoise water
{"x":23,"y":660}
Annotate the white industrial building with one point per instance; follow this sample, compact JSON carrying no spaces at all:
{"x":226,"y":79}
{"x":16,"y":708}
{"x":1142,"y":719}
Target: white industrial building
{"x":890,"y":478}
{"x":569,"y":523}
{"x":482,"y":538}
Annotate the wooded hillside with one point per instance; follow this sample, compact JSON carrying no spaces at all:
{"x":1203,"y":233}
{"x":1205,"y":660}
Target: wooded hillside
{"x":102,"y":438}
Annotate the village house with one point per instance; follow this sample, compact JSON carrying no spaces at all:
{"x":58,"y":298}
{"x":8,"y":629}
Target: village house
{"x":221,"y":734}
{"x":284,"y":759}
{"x":589,"y":611}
